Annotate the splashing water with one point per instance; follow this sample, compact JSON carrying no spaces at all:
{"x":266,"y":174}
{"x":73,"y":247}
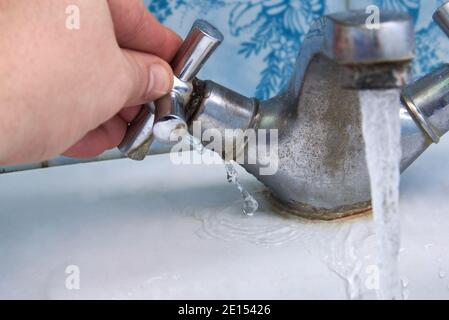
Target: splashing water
{"x":250,"y":204}
{"x":381,"y":131}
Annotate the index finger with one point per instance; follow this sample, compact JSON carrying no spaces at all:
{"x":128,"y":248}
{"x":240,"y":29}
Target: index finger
{"x":137,"y":29}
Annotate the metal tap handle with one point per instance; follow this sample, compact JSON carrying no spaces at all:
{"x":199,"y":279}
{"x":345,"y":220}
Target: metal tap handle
{"x":169,"y":111}
{"x":441,"y":17}
{"x":198,"y":46}
{"x":426,"y":98}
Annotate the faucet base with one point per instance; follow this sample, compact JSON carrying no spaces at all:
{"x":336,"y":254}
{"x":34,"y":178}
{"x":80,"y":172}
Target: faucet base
{"x":309,"y":212}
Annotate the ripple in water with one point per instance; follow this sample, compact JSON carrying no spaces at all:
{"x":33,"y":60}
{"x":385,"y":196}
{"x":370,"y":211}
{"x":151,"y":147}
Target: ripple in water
{"x":229,"y":224}
{"x":345,"y":247}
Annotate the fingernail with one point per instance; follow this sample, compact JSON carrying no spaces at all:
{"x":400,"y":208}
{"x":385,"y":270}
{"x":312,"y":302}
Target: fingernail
{"x":160,"y":82}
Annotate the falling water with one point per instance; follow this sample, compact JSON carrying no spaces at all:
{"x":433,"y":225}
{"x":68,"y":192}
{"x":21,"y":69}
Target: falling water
{"x":196,"y":144}
{"x":381,"y":131}
{"x":250,"y":204}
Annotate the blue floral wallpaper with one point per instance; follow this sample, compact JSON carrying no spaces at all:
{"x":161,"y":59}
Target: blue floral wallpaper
{"x":263,"y":37}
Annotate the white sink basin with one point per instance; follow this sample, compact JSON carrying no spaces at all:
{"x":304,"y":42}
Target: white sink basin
{"x":156,"y":230}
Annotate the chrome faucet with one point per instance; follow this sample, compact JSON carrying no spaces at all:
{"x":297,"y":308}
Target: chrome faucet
{"x":322,"y":172}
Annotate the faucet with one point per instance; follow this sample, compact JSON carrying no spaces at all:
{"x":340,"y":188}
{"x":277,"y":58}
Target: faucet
{"x":322,"y":172}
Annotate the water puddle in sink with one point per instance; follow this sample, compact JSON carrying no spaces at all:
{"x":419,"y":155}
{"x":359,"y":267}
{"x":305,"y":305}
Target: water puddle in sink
{"x":250,"y":205}
{"x":347,"y":247}
{"x":228,"y":224}
{"x":381,"y":131}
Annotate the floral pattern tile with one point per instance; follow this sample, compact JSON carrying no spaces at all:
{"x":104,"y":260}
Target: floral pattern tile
{"x":263,"y":37}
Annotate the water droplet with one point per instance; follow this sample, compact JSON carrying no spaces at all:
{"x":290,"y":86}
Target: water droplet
{"x":250,"y":205}
{"x":442,"y":274}
{"x":196,"y":144}
{"x":404,"y":281}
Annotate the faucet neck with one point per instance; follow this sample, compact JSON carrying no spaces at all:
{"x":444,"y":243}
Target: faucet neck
{"x":221,"y":112}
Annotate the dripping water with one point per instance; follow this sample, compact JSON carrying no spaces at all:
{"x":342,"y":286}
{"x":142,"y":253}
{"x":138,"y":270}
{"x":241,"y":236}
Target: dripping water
{"x":250,"y":204}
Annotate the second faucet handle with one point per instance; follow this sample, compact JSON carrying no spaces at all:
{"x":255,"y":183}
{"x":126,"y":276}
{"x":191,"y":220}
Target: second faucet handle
{"x":441,"y":17}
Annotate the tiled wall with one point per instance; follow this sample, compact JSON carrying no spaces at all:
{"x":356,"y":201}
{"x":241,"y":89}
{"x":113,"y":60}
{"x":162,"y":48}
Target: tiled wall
{"x":263,"y":37}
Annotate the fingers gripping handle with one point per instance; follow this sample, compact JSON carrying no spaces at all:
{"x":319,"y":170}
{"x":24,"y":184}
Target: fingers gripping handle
{"x":169,"y":111}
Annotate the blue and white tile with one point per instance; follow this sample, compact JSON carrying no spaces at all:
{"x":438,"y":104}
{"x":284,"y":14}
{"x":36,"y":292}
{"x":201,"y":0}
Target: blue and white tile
{"x":263,"y":37}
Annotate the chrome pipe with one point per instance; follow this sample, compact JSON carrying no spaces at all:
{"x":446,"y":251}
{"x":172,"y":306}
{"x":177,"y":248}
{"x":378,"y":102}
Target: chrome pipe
{"x":115,"y":154}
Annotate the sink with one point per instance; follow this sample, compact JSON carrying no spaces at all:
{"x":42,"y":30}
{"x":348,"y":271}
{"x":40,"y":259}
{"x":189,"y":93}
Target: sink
{"x":155,"y":230}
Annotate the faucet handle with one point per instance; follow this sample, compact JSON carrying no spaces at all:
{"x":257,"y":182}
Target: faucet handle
{"x":198,"y":46}
{"x":441,"y":17}
{"x":169,"y":111}
{"x":426,"y":99}
{"x":138,"y":138}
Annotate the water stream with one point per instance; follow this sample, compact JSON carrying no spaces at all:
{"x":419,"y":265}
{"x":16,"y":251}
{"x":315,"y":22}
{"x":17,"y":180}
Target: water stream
{"x":381,"y":131}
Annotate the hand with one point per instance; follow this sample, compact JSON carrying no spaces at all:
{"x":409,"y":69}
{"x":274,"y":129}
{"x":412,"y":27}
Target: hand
{"x":74,"y":91}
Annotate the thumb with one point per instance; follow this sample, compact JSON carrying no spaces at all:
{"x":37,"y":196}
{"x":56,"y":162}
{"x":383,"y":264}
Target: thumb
{"x":149,"y":77}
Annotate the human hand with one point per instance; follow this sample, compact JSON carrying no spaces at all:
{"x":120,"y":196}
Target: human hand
{"x":74,"y":91}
